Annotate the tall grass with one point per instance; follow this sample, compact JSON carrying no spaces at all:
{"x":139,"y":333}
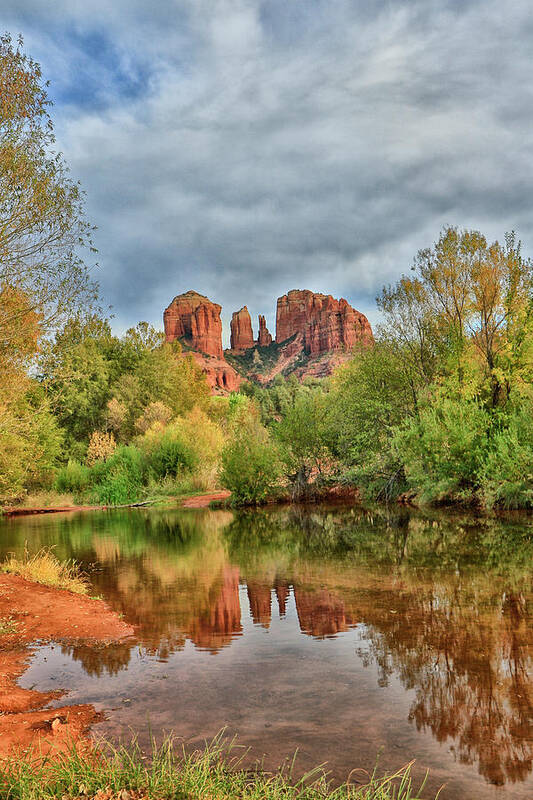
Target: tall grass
{"x":45,"y":568}
{"x":213,"y":773}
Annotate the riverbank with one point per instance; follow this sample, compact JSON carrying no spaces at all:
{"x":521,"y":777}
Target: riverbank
{"x":31,"y":612}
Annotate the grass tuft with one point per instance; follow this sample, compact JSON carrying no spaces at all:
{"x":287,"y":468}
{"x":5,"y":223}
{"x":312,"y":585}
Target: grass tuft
{"x":44,"y":567}
{"x":213,"y":773}
{"x":7,"y":626}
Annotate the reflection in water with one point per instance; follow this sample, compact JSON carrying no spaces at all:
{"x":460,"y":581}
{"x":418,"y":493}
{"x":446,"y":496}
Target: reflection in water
{"x":441,"y":603}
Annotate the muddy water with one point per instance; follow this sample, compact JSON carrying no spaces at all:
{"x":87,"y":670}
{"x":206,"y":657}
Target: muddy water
{"x":341,"y":633}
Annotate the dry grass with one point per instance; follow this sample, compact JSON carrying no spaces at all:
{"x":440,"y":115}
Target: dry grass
{"x":44,"y":567}
{"x":48,"y":500}
{"x":7,"y":626}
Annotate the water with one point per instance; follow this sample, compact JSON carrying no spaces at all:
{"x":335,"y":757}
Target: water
{"x":337,"y":632}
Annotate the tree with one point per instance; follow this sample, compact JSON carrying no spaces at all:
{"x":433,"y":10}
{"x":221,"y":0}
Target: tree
{"x":467,"y":309}
{"x":250,"y":461}
{"x":42,"y":225}
{"x":303,"y":437}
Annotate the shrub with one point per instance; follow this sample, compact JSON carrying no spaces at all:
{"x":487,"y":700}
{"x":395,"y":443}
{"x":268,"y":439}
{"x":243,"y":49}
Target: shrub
{"x":156,"y":414}
{"x":170,"y":457}
{"x":101,"y":446}
{"x":75,"y":478}
{"x":120,"y":479}
{"x":250,"y":461}
{"x":507,"y":476}
{"x":204,"y":439}
{"x":444,"y":450}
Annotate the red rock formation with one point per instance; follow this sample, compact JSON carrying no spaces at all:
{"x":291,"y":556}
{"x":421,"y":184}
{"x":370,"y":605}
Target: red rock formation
{"x":327,"y":324}
{"x":196,"y":320}
{"x":242,"y":337}
{"x":264,"y":337}
{"x":220,"y":376}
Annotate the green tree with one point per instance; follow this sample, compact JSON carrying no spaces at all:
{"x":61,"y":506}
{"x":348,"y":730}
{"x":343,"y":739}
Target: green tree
{"x":303,"y":437}
{"x":250,"y":460}
{"x":370,"y":397}
{"x":42,"y":224}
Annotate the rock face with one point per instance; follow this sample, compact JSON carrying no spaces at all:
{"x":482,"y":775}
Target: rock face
{"x":220,"y":375}
{"x":196,"y":320}
{"x":326,"y":324}
{"x":264,"y":338}
{"x":242,"y":337}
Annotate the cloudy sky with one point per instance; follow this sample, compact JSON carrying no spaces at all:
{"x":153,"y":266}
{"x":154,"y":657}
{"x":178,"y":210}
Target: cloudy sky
{"x":246,"y":147}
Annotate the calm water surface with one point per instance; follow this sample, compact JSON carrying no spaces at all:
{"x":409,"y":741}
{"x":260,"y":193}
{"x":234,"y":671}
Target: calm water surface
{"x":343,"y":633}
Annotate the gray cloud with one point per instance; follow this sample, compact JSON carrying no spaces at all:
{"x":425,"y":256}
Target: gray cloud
{"x":243,"y":148}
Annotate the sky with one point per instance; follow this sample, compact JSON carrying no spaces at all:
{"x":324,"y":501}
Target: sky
{"x":243,"y":148}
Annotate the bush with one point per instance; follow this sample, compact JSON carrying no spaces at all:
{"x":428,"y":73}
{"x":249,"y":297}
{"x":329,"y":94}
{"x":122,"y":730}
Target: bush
{"x":75,"y":478}
{"x":507,"y":476}
{"x":154,"y":415}
{"x":120,"y":479}
{"x":250,"y":460}
{"x":170,"y":457}
{"x":444,"y":450}
{"x":101,"y":446}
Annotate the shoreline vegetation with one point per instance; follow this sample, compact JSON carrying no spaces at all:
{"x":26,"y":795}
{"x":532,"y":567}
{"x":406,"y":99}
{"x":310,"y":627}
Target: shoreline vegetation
{"x":436,"y":411}
{"x":126,"y":773}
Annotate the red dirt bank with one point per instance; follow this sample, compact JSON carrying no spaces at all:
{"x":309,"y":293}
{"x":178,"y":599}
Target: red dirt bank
{"x":41,"y":613}
{"x":204,"y":500}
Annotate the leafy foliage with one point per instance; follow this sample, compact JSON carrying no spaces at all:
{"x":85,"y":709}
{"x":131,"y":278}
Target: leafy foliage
{"x":250,"y":460}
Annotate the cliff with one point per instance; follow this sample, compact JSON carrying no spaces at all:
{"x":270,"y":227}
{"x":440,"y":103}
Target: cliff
{"x":326,"y":324}
{"x":264,"y":338}
{"x":195,"y":320}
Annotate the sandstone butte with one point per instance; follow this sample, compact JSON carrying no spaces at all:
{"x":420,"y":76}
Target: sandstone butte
{"x":326,"y":324}
{"x":195,"y":321}
{"x":317,"y":325}
{"x":242,"y":337}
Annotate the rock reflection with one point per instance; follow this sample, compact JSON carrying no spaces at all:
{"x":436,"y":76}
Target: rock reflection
{"x":442,"y":603}
{"x":321,"y":613}
{"x":217,"y":626}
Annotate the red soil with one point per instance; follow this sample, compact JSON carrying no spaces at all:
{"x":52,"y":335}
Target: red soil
{"x":203,"y":500}
{"x":41,"y":613}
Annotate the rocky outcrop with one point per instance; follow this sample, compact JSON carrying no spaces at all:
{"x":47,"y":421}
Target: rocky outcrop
{"x":220,"y":375}
{"x":264,"y":338}
{"x":242,"y":337}
{"x":327,"y":324}
{"x":195,"y":320}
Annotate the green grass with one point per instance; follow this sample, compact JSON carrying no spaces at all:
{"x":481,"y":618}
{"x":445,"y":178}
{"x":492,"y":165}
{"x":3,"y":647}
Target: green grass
{"x":7,"y":626}
{"x":45,"y":568}
{"x":168,"y":773}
